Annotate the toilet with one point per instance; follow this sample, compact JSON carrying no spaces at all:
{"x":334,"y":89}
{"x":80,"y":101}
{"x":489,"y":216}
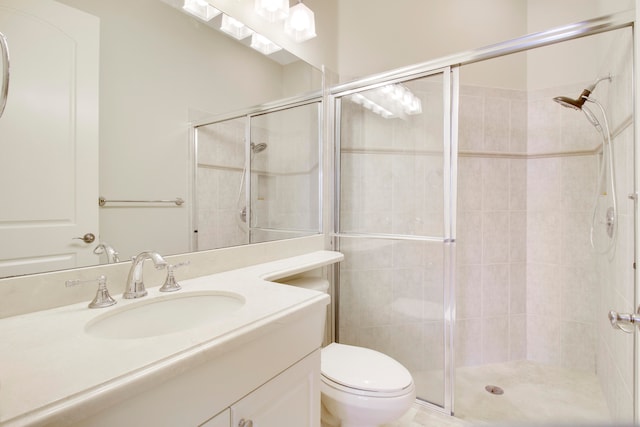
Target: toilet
{"x":360,"y":387}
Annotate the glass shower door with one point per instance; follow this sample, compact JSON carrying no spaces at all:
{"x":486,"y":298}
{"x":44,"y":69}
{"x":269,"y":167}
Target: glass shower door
{"x":394,"y":225}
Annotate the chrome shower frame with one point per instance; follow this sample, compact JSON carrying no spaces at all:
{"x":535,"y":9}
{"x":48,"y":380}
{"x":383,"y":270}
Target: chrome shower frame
{"x":253,"y":147}
{"x":450,"y":65}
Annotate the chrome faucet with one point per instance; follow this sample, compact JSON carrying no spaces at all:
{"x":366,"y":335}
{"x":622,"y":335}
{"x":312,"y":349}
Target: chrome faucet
{"x":112,"y":254}
{"x":135,"y":285}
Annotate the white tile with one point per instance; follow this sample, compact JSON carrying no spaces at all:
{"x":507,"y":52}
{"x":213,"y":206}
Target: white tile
{"x":518,"y":184}
{"x":469,"y":238}
{"x":517,"y":288}
{"x":495,"y":184}
{"x":468,"y":342}
{"x":495,"y":339}
{"x":495,"y":290}
{"x":469,"y":291}
{"x":517,"y":236}
{"x":578,"y":346}
{"x":469,"y":184}
{"x":517,"y":337}
{"x":543,"y":184}
{"x":495,"y":247}
{"x":496,"y":124}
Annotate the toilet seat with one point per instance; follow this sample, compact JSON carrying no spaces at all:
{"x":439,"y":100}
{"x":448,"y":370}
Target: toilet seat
{"x":363,"y":372}
{"x":365,"y":393}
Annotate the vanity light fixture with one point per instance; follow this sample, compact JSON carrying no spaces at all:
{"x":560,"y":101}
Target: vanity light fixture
{"x":300,"y":25}
{"x":263,"y":44}
{"x":201,"y":9}
{"x":402,"y":98}
{"x":371,"y":105}
{"x":390,"y":101}
{"x":272,"y":10}
{"x":234,"y":28}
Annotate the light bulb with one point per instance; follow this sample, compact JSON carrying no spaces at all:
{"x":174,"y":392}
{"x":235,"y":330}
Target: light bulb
{"x":300,"y":24}
{"x":272,"y":10}
{"x":270,"y":5}
{"x":299,"y":20}
{"x":263,"y":44}
{"x":201,"y":9}
{"x":234,"y":28}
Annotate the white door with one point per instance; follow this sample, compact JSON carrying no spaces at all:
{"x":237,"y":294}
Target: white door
{"x":48,"y":137}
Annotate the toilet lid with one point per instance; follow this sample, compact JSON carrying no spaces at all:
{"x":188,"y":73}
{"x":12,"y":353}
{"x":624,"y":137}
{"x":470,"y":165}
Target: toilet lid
{"x":363,"y":369}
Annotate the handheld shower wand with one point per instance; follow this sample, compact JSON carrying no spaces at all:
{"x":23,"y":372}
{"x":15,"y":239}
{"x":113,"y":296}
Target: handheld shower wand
{"x":612,"y":212}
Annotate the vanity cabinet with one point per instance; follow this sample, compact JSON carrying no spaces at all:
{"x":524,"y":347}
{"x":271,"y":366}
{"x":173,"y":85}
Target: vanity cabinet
{"x":290,"y":399}
{"x":269,"y":376}
{"x":260,"y":364}
{"x":221,"y":420}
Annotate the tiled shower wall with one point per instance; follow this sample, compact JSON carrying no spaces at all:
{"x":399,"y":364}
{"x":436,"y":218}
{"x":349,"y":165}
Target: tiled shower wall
{"x":529,"y":284}
{"x":491,"y":236}
{"x":285,"y":178}
{"x":220,"y":196}
{"x":562,"y":277}
{"x":616,"y":286}
{"x":526,"y":277}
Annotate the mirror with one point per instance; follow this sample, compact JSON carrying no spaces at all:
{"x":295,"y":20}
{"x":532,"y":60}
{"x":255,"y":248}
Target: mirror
{"x":152,"y":71}
{"x":284,"y":170}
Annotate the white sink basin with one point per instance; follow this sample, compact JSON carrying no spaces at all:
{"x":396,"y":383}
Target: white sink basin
{"x":164,"y":315}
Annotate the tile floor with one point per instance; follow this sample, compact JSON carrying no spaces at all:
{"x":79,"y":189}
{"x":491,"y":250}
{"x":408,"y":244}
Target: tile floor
{"x":534,"y":394}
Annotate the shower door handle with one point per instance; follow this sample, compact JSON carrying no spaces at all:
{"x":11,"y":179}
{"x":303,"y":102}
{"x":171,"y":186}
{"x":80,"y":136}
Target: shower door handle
{"x":626,"y":322}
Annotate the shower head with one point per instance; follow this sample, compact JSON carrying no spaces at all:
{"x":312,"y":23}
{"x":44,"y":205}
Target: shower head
{"x":576,"y":104}
{"x":258,"y":148}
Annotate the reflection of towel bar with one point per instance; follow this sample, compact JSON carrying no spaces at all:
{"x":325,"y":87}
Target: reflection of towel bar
{"x":178,"y":201}
{"x":4,"y":49}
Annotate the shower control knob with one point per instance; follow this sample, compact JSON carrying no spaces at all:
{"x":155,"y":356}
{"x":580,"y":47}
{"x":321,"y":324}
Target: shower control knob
{"x":624,"y":321}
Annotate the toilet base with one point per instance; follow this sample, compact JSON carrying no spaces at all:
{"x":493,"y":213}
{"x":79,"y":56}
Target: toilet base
{"x":341,"y":409}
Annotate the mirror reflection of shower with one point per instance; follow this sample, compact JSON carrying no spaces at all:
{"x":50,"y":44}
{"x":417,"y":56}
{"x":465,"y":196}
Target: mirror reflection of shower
{"x":605,"y":211}
{"x":255,"y":149}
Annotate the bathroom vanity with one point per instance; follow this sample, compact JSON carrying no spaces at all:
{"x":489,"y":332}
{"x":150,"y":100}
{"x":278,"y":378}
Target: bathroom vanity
{"x":228,"y":349}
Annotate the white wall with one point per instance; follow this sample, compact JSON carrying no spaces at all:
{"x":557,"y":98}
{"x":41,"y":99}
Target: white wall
{"x":551,"y":70}
{"x":408,"y":32}
{"x":377,"y":35}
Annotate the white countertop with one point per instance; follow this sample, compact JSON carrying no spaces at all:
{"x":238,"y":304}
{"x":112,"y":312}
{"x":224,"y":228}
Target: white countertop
{"x":48,"y":364}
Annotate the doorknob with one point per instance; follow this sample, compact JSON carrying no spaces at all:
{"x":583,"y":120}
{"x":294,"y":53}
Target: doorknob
{"x":87,"y":238}
{"x":624,"y":321}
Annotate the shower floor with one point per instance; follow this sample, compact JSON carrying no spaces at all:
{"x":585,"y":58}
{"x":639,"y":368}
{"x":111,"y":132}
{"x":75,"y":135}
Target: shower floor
{"x":533,"y":394}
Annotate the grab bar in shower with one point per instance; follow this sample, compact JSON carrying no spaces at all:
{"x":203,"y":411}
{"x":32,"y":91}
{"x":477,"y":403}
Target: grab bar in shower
{"x":4,"y":92}
{"x":177,"y":201}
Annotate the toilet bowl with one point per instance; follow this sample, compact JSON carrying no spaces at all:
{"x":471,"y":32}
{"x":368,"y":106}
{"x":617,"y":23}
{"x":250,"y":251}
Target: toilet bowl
{"x":362,"y":387}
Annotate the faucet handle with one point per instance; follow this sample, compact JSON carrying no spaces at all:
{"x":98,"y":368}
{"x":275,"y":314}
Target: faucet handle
{"x":170,"y":284}
{"x":102,"y":298}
